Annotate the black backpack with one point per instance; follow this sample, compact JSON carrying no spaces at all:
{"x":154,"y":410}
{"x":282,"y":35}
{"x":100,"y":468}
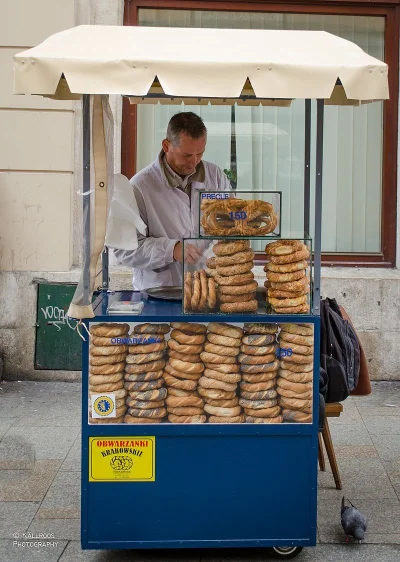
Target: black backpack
{"x":340,"y":352}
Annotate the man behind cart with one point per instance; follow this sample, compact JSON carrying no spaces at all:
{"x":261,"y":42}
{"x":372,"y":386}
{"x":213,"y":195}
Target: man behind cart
{"x":167,"y":195}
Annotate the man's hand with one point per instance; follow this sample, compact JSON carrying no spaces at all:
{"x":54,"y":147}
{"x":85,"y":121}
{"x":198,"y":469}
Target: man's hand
{"x":192,"y":253}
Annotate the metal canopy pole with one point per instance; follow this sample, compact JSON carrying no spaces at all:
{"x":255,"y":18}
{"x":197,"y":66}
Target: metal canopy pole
{"x":104,"y":264}
{"x":318,"y":207}
{"x":307,"y":170}
{"x":86,"y":197}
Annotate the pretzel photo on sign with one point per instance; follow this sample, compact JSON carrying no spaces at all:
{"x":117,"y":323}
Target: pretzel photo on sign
{"x":243,"y":217}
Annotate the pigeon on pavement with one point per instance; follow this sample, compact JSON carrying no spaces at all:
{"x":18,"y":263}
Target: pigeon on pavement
{"x":354,"y":523}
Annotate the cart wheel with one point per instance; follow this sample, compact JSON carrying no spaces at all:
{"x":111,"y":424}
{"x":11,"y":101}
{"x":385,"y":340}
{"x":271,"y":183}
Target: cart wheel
{"x":286,"y":552}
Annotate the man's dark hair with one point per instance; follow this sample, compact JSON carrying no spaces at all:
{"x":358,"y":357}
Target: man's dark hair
{"x":188,"y":123}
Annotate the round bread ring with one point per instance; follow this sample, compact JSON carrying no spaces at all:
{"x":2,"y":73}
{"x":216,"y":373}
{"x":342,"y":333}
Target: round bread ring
{"x":211,"y":272}
{"x":299,"y":285}
{"x":285,"y":277}
{"x":264,"y":368}
{"x":260,"y":329}
{"x":241,"y":279}
{"x":187,"y":291}
{"x":296,"y":416}
{"x":108,"y":349}
{"x":221,"y":349}
{"x":297,"y":367}
{"x":119,"y":393}
{"x":223,"y":340}
{"x":212,"y":294}
{"x":301,"y":309}
{"x":296,"y":348}
{"x":187,"y":339}
{"x":132,"y":419}
{"x":185,"y":384}
{"x":216,"y":394}
{"x":222,"y":248}
{"x":215,"y":217}
{"x":143,"y":377}
{"x":222,"y":368}
{"x":296,"y":404}
{"x":256,"y":359}
{"x":186,"y":366}
{"x":203,"y":290}
{"x":151,"y":328}
{"x":184,"y":401}
{"x":158,"y":394}
{"x":268,"y":412}
{"x":258,"y":394}
{"x":196,"y":291}
{"x":294,"y":338}
{"x":262,"y":377}
{"x":296,"y":377}
{"x":139,"y":358}
{"x":302,"y":254}
{"x":291,"y":394}
{"x":174,"y":391}
{"x":191,"y":327}
{"x":186,"y":419}
{"x":222,"y":403}
{"x":229,"y":270}
{"x":288,"y":267}
{"x":147,"y":348}
{"x":218,"y":359}
{"x":145,"y":404}
{"x":182,"y":375}
{"x":185,"y":411}
{"x":238,"y":289}
{"x":258,"y":340}
{"x":151,"y":413}
{"x":256,"y":386}
{"x":223,"y":412}
{"x":232,"y":307}
{"x":297,"y":358}
{"x":260,"y":404}
{"x":240,"y":257}
{"x":120,"y":419}
{"x":294,"y":386}
{"x":224,"y":377}
{"x":109,"y":330}
{"x":284,"y":303}
{"x":109,"y":369}
{"x":142,"y":386}
{"x":106,"y":359}
{"x":205,"y":382}
{"x":254,"y":419}
{"x":258,"y":349}
{"x":192,"y":358}
{"x":145,"y":367}
{"x":98,"y":341}
{"x":276,"y":294}
{"x":107,"y":387}
{"x":233,"y":419}
{"x":237,"y":298}
{"x":184,"y":348}
{"x":210,"y":262}
{"x":225,"y":330}
{"x":283,"y":247}
{"x":298,"y":329}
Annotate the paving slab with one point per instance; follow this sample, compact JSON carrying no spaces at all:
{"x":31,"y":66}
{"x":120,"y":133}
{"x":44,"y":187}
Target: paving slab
{"x":73,"y":459}
{"x":350,"y":434}
{"x":61,"y":529}
{"x":5,"y":424}
{"x":48,"y":442}
{"x":24,"y":550}
{"x":379,"y":425}
{"x":74,"y":553}
{"x":28,"y":485}
{"x":63,"y":499}
{"x":344,"y":452}
{"x":15,"y":518}
{"x":16,"y":453}
{"x":387,"y":446}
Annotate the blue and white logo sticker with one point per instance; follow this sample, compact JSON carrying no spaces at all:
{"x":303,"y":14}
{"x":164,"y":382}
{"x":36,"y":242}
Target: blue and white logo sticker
{"x":103,"y":405}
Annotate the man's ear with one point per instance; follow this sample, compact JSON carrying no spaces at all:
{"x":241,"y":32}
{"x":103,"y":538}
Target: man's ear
{"x":165,"y":145}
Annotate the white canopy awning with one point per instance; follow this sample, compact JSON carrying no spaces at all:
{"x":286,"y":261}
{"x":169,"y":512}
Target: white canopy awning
{"x":200,"y":63}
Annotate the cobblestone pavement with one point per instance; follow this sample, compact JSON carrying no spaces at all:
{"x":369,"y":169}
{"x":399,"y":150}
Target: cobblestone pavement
{"x":40,"y":480}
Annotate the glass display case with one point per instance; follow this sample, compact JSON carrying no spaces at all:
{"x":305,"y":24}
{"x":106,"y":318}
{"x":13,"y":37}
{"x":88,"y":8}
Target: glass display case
{"x":196,"y":373}
{"x":222,"y":276}
{"x":239,"y":213}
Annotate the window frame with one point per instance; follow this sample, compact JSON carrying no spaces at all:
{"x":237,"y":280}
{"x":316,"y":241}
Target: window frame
{"x":390,"y":9}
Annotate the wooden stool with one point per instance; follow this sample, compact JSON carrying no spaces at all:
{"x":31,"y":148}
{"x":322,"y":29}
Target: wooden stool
{"x":331,"y":411}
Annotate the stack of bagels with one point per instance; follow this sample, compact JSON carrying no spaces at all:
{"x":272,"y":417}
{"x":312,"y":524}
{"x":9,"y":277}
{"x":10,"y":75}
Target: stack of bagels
{"x":183,"y":371}
{"x":234,"y":260}
{"x":219,"y":383}
{"x":287,"y":283}
{"x":295,"y":380}
{"x":106,"y":366}
{"x":144,"y":374}
{"x":259,"y":369}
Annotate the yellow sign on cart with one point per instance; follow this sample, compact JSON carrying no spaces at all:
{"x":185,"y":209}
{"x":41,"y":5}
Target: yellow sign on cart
{"x":122,"y":459}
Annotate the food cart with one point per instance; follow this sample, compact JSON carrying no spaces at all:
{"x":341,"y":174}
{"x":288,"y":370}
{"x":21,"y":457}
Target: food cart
{"x":200,"y":415}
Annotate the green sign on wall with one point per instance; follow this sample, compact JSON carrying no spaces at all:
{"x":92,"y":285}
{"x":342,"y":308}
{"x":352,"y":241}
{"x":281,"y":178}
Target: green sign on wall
{"x":58,"y":345}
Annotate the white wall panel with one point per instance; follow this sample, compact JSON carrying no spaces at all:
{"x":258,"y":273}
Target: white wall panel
{"x":36,"y":140}
{"x":35,"y":225}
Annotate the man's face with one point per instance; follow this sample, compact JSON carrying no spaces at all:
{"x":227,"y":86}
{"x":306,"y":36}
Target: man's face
{"x":184,"y":157}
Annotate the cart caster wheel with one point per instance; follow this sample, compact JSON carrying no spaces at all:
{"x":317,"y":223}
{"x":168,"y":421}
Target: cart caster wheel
{"x":286,"y":552}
